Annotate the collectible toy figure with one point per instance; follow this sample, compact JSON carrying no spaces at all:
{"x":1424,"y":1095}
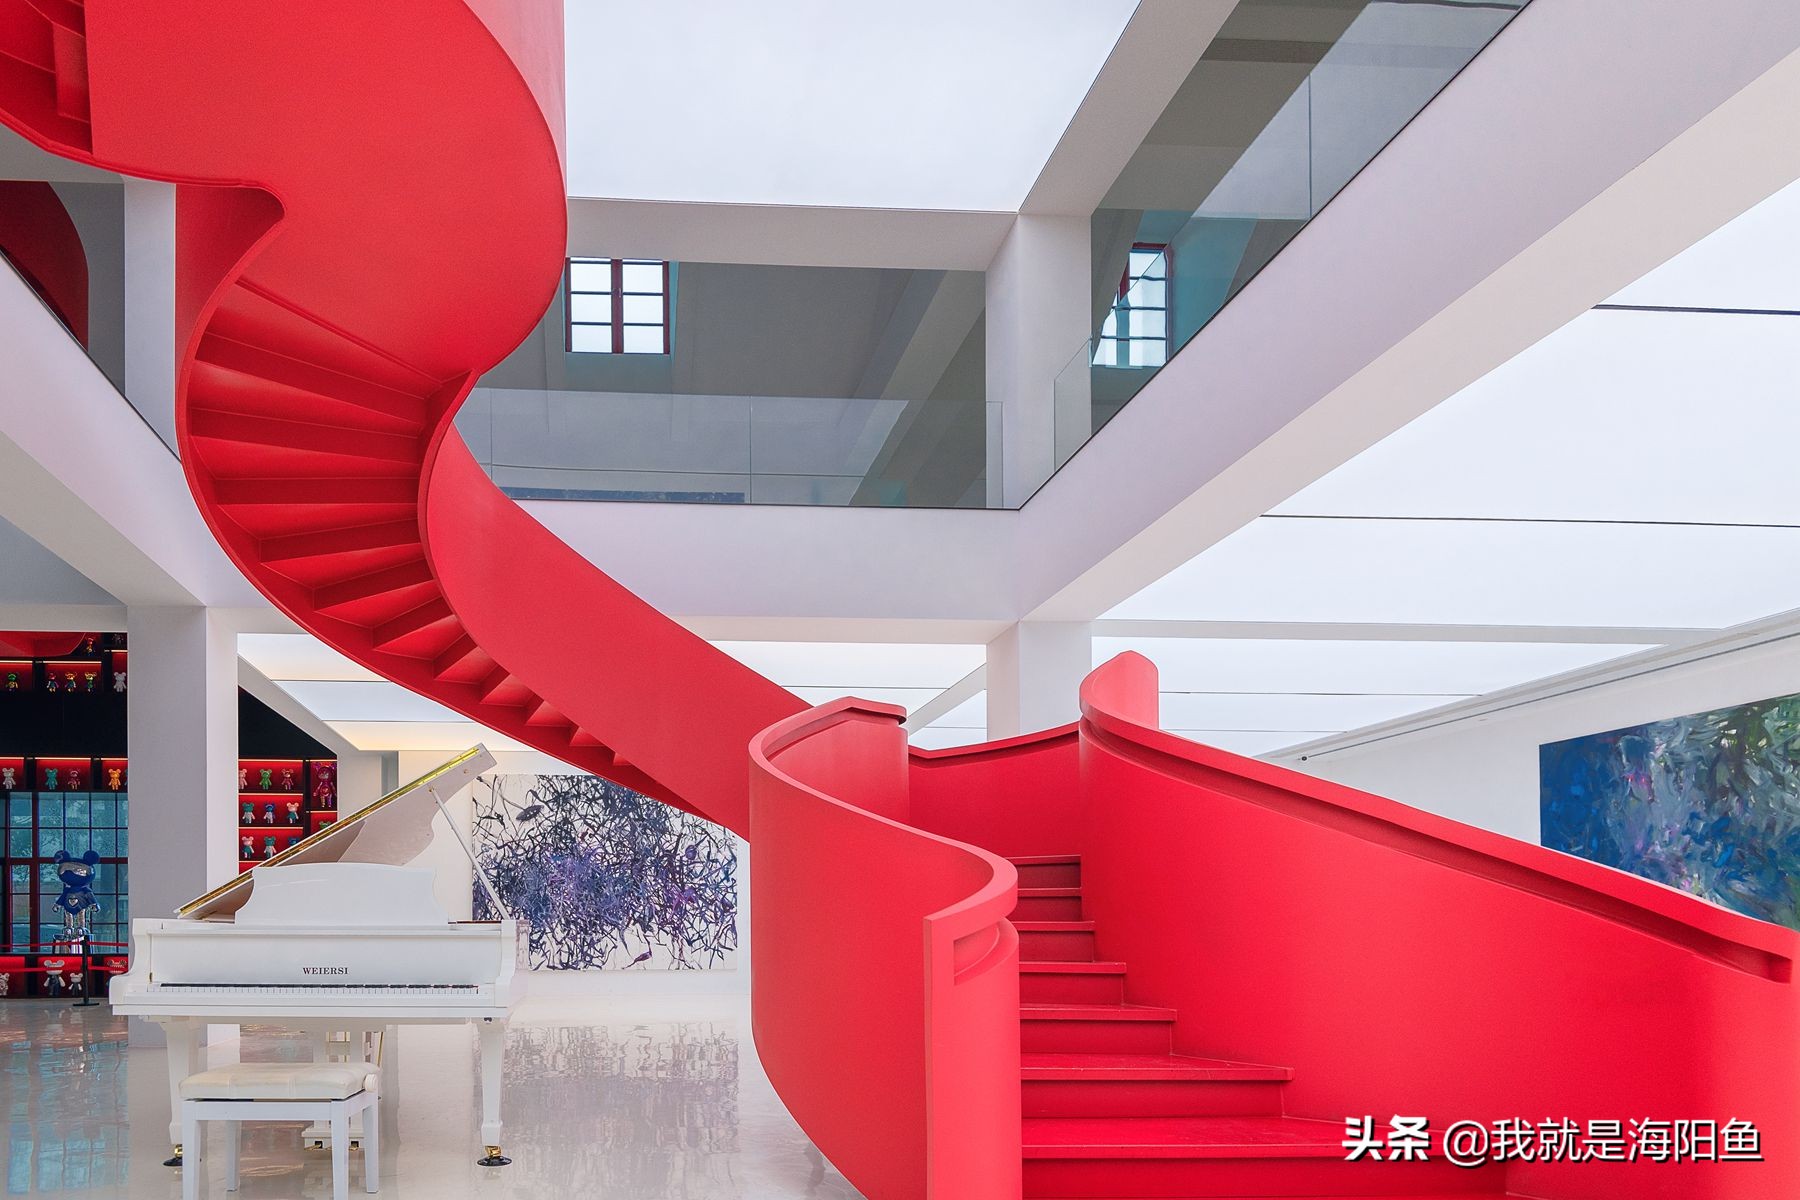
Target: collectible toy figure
{"x":7,"y":780}
{"x":287,"y":779}
{"x":118,"y":681}
{"x":74,"y":784}
{"x":243,"y":779}
{"x":248,"y":816}
{"x":70,"y":677}
{"x":293,"y":812}
{"x":12,"y":681}
{"x":247,"y":848}
{"x":115,"y":778}
{"x":324,"y":786}
{"x":268,"y":847}
{"x":49,"y":681}
{"x":89,"y":679}
{"x":269,"y":813}
{"x":53,"y":969}
{"x":77,"y":876}
{"x":50,"y":774}
{"x":267,"y":779}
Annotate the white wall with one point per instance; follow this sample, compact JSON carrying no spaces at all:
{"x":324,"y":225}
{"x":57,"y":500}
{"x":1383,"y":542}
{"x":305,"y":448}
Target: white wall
{"x":454,"y":882}
{"x":1484,"y":769}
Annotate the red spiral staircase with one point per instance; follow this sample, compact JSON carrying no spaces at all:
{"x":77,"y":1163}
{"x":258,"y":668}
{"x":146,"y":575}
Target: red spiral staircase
{"x":1212,"y":962}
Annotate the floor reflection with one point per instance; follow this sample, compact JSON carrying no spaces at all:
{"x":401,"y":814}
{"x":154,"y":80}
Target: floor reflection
{"x":598,"y":1103}
{"x":64,"y":1133}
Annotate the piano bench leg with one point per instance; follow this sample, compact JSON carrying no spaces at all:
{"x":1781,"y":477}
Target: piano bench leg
{"x":192,"y":1164}
{"x":494,"y":1158}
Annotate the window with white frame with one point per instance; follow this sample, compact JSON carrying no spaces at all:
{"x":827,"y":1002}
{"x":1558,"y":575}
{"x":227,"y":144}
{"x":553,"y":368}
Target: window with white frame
{"x":1136,"y":332}
{"x":617,"y":306}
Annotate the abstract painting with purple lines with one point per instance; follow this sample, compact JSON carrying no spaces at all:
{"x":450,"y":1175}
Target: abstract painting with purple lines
{"x":1708,"y":803}
{"x":605,"y":877}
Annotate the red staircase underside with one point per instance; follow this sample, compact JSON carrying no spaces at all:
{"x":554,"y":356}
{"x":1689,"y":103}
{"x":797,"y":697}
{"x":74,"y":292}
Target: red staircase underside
{"x":1209,"y":964}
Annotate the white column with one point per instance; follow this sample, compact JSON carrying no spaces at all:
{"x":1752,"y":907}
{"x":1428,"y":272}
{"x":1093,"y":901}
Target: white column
{"x":182,"y":738}
{"x":1039,"y":310}
{"x":1034,"y":674}
{"x":150,"y":303}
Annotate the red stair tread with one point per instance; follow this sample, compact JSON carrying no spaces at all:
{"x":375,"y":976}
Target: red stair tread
{"x":1182,"y":1137}
{"x":1054,"y":967}
{"x":1054,"y":926}
{"x":1094,"y":1012}
{"x":1044,"y":860}
{"x":1049,"y":893}
{"x":1143,"y":1066}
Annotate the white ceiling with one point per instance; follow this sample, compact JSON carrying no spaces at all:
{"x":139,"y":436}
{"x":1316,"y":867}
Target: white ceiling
{"x":1629,"y":475}
{"x":375,"y":715}
{"x":933,"y":104}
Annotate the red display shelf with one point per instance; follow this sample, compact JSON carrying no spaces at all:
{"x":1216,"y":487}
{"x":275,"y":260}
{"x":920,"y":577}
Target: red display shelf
{"x":17,"y":675}
{"x":286,"y":776}
{"x":72,"y":677}
{"x":70,"y":774}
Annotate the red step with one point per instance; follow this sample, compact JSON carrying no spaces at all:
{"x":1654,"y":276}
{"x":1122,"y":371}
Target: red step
{"x":1079,"y":1158}
{"x":1055,"y":941}
{"x":1048,"y":870}
{"x":1095,"y":1029}
{"x":1149,"y":1085}
{"x":1072,"y":982}
{"x":1048,"y":904}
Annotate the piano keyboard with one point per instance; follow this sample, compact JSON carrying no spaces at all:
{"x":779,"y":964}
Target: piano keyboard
{"x":323,"y":991}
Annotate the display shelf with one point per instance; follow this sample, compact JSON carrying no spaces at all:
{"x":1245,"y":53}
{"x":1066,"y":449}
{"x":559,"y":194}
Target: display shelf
{"x":72,"y":676}
{"x":292,"y":781}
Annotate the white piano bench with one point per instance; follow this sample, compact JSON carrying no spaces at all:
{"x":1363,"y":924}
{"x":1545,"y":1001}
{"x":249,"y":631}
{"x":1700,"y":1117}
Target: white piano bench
{"x":330,"y":1093}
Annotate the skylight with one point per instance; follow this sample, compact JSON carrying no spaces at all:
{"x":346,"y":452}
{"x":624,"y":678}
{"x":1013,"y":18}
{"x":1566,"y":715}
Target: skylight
{"x":931,"y":104}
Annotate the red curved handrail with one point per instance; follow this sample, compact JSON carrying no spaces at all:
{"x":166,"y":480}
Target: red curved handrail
{"x":907,"y":1079}
{"x":1403,"y":962}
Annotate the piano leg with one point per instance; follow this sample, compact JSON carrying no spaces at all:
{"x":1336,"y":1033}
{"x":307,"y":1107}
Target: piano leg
{"x":493,"y":1070}
{"x":183,"y":1037}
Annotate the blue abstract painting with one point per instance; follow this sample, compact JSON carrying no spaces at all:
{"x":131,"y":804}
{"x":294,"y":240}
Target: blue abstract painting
{"x":1708,"y":803}
{"x":606,"y":878}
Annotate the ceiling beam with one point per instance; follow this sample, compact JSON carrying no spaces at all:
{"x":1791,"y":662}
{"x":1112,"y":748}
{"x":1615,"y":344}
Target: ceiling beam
{"x":786,"y":235}
{"x":952,"y":697}
{"x":1332,"y":631}
{"x":1751,"y":636}
{"x":1148,"y":64}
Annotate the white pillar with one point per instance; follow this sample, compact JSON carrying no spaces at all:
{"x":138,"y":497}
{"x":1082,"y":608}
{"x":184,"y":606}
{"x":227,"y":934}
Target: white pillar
{"x":1034,"y":674}
{"x":1039,"y":310}
{"x":182,"y":739}
{"x":150,"y":303}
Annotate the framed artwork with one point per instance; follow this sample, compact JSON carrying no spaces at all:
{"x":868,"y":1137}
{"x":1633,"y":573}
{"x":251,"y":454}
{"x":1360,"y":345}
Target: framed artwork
{"x":606,"y":878}
{"x":1707,"y":803}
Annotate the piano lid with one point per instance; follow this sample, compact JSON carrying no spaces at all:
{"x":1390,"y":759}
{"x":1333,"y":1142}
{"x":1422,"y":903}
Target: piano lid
{"x":394,"y":830}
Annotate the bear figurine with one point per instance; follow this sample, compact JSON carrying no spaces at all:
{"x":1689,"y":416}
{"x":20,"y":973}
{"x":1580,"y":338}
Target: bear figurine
{"x":77,"y":876}
{"x":293,"y":812}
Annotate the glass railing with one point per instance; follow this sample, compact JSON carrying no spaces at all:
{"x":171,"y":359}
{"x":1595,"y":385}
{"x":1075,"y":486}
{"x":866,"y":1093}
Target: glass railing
{"x":1183,"y":266}
{"x":669,"y":448}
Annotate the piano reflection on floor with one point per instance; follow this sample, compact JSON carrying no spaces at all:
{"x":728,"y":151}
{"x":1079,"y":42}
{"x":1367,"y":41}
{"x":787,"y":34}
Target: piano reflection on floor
{"x":334,"y":935}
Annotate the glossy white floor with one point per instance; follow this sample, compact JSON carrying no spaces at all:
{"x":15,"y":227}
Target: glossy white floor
{"x":635,"y":1098}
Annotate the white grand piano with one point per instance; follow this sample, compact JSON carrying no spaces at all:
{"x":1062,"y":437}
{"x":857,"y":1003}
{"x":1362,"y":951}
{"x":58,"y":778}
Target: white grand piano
{"x":334,"y":935}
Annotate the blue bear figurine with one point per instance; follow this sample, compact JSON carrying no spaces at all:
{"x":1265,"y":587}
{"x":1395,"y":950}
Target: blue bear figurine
{"x":77,"y":875}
